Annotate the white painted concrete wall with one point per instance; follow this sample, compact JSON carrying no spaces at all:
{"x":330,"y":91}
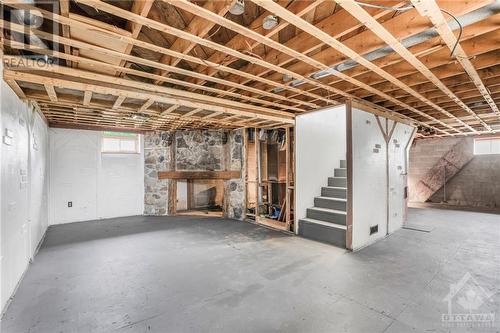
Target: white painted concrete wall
{"x":98,"y":185}
{"x":320,"y":142}
{"x":376,"y":196}
{"x":24,"y":187}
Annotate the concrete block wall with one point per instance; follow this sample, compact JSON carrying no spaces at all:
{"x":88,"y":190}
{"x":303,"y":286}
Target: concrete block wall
{"x":475,"y":185}
{"x":424,"y":154}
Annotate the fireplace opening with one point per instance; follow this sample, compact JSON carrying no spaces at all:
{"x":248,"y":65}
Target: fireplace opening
{"x":200,"y":197}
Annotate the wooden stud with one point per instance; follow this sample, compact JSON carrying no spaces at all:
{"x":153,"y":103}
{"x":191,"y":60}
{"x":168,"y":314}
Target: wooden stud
{"x":118,"y":102}
{"x":87,"y":97}
{"x":51,"y":92}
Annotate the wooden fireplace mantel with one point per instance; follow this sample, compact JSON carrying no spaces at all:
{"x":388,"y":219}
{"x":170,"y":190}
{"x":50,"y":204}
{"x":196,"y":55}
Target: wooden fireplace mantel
{"x":199,"y":174}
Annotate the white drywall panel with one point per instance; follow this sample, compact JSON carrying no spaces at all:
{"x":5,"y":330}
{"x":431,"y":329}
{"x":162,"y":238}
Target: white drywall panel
{"x":320,"y":143}
{"x":398,"y":156}
{"x":97,"y":185}
{"x":23,"y":207}
{"x":369,"y":181}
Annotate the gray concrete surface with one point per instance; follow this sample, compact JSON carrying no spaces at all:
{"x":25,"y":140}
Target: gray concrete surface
{"x":184,"y":274}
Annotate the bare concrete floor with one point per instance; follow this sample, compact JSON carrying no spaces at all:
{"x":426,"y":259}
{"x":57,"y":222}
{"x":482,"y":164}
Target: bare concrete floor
{"x":192,"y":274}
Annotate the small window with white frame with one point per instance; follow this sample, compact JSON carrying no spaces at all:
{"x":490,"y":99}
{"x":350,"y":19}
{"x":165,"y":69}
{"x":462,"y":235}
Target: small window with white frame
{"x":487,"y":146}
{"x":120,"y":143}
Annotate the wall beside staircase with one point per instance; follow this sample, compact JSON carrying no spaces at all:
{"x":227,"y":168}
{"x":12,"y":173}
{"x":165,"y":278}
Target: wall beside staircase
{"x":24,"y":187}
{"x":320,"y":145}
{"x":378,"y":176}
{"x":476,"y":185}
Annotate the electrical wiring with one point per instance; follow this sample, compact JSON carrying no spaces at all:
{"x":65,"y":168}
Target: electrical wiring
{"x":459,"y":33}
{"x":402,"y":9}
{"x":384,"y":7}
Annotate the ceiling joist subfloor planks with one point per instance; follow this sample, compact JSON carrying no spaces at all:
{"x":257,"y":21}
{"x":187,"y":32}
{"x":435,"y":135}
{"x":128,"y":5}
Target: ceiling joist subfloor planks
{"x":210,"y":68}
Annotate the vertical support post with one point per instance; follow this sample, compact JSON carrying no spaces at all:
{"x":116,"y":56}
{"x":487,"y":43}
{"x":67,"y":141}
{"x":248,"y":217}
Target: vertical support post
{"x":172,"y":184}
{"x":226,"y":166}
{"x":257,"y":172}
{"x":349,"y":175}
{"x":287,"y":178}
{"x":190,"y":194}
{"x":244,"y":170}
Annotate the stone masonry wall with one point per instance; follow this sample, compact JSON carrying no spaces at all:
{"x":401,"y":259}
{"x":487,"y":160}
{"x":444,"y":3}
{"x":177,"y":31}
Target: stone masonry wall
{"x":235,"y":188}
{"x":157,"y":146}
{"x":477,"y":184}
{"x":200,"y":150}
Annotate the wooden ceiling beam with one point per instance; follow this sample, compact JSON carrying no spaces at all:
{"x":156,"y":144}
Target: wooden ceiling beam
{"x":362,"y":16}
{"x":334,"y":43}
{"x":99,"y":89}
{"x":239,"y":42}
{"x":461,"y":84}
{"x":196,"y":10}
{"x":72,"y":103}
{"x":430,"y":9}
{"x":198,"y":27}
{"x":64,"y":11}
{"x":437,"y":62}
{"x":407,"y":73}
{"x":16,"y":88}
{"x":338,"y":25}
{"x":156,"y":48}
{"x":142,"y":8}
{"x":183,"y":96}
{"x":401,"y":26}
{"x":465,"y":89}
{"x":95,"y":63}
{"x":113,"y":10}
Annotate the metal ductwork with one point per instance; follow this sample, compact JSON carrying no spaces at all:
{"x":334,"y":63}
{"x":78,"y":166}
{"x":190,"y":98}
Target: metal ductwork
{"x":465,"y":20}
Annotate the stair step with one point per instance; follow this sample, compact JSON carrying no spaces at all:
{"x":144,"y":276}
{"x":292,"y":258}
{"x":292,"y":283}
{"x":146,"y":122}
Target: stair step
{"x":327,"y":215}
{"x":323,"y":231}
{"x":331,"y":203}
{"x":337,"y":181}
{"x":340,"y":172}
{"x":343,"y":163}
{"x":334,"y":192}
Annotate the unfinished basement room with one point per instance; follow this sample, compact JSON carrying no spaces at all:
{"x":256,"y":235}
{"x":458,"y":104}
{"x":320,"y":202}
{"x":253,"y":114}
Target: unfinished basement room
{"x":250,"y":166}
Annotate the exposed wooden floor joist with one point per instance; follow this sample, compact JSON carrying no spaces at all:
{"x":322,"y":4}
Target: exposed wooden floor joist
{"x":157,"y":64}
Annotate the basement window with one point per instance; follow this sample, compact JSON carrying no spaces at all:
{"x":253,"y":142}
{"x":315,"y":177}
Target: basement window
{"x":487,"y":146}
{"x":120,"y":143}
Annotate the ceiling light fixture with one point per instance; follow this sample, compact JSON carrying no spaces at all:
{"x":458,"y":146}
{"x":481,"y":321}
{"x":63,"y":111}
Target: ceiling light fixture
{"x":287,"y":78}
{"x":139,"y":117}
{"x":238,"y":7}
{"x":270,"y":22}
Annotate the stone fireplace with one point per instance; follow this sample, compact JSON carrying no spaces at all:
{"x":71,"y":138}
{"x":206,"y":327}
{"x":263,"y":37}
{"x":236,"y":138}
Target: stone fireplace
{"x":171,"y":155}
